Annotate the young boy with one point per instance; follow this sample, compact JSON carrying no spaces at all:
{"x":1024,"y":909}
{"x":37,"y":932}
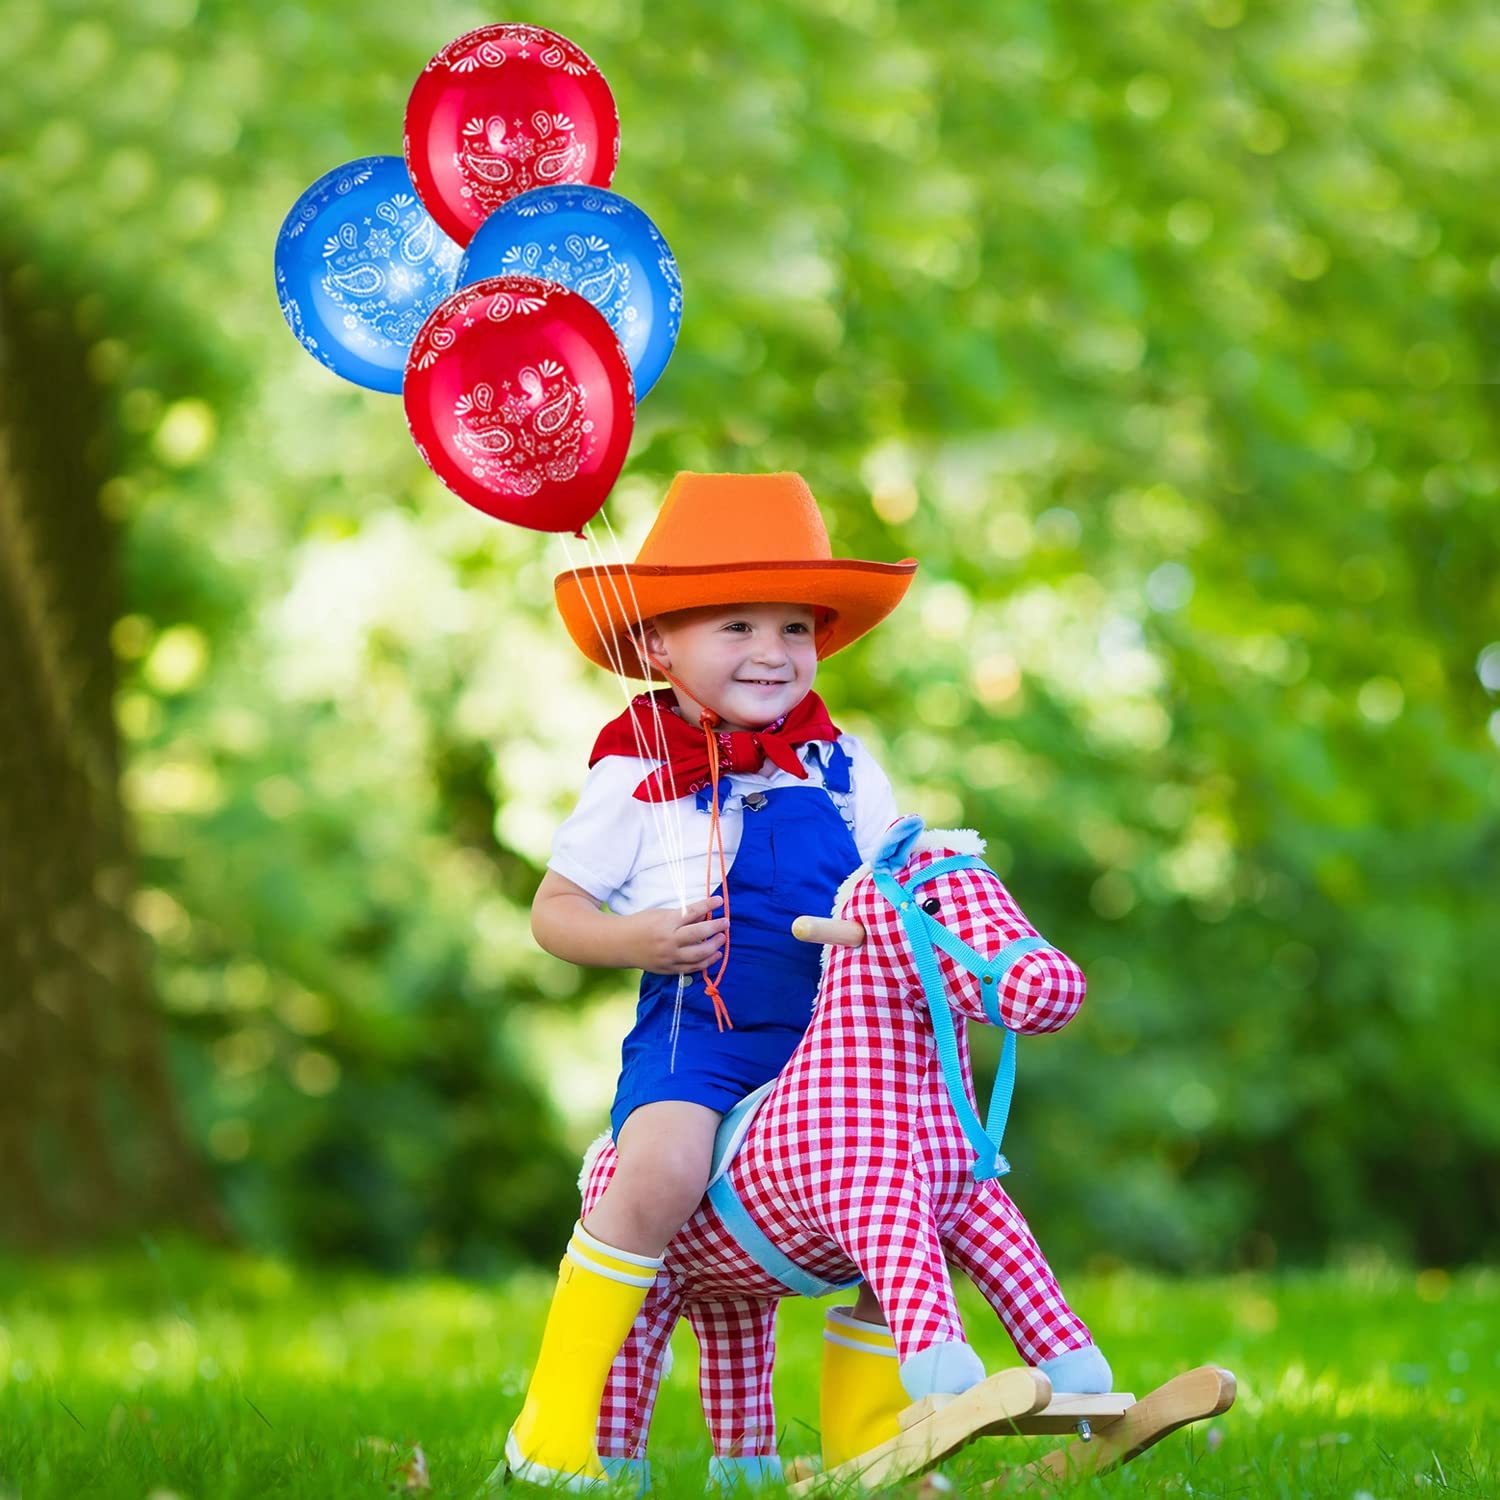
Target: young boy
{"x":734,"y":768}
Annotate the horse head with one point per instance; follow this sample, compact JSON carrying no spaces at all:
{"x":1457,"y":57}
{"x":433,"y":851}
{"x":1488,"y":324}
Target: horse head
{"x":928,"y":920}
{"x":932,"y":888}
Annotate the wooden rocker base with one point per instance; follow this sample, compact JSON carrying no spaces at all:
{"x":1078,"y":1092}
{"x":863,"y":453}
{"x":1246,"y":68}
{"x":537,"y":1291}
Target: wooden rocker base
{"x":1112,"y":1429}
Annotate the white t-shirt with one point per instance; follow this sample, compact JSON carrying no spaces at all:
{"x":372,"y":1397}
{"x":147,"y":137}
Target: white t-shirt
{"x":638,"y":856}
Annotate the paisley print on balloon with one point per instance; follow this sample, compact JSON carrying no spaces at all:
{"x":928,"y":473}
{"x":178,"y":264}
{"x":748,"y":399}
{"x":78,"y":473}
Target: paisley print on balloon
{"x":587,"y":265}
{"x":534,"y":427}
{"x":356,"y":292}
{"x":389,"y":274}
{"x":599,"y":245}
{"x":502,"y":110}
{"x":499,"y":161}
{"x":520,"y":399}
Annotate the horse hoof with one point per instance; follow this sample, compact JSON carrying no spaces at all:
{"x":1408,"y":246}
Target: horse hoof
{"x":1083,"y":1372}
{"x":941,"y":1369}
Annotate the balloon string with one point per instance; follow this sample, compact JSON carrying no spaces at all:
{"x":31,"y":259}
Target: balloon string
{"x":669,"y":829}
{"x":708,"y":721}
{"x":666,"y":825}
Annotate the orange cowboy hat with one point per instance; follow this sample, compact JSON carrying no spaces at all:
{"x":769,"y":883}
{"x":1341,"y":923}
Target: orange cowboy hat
{"x":729,"y":539}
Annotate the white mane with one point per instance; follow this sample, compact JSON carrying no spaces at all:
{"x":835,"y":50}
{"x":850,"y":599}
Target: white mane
{"x":957,"y":840}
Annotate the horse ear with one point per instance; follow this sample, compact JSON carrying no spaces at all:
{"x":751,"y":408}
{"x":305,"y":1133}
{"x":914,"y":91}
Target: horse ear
{"x":895,"y":846}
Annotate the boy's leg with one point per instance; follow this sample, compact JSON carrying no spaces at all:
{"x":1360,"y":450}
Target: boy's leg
{"x":663,"y":1156}
{"x":599,"y":1292}
{"x":662,"y":1168}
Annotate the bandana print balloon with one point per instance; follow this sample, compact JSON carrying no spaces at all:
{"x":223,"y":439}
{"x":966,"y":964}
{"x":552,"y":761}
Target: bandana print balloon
{"x":601,"y":246}
{"x":500,"y":111}
{"x":519,"y":399}
{"x":359,"y":266}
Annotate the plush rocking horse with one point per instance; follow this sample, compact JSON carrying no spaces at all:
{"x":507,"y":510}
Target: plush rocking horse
{"x":865,"y":1160}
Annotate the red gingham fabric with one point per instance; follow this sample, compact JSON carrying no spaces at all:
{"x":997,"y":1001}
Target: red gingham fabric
{"x":857,"y":1165}
{"x":737,"y":1346}
{"x":635,"y":1376}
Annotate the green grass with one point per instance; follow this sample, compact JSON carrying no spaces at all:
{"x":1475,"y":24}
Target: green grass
{"x":207,"y":1377}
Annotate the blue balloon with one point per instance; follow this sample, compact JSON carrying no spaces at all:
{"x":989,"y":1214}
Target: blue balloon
{"x":597,"y":244}
{"x":359,"y":266}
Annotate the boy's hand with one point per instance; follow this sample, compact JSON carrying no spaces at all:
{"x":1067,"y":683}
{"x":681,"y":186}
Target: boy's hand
{"x":667,"y":941}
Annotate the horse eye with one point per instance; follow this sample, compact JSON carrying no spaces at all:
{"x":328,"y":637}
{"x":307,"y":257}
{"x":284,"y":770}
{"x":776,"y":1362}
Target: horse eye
{"x":931,"y":906}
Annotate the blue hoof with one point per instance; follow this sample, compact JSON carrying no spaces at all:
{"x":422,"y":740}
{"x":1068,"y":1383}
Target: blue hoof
{"x":1083,"y":1372}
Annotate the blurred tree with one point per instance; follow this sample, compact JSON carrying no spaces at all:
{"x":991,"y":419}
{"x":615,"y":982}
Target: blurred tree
{"x":1164,"y":335}
{"x":91,"y":1141}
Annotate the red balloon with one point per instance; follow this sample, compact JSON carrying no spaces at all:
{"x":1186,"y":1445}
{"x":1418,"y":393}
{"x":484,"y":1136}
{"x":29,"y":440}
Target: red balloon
{"x":519,"y":398}
{"x":499,"y":111}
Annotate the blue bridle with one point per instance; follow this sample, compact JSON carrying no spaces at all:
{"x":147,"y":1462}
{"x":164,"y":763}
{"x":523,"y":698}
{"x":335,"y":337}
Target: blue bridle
{"x":925,"y":933}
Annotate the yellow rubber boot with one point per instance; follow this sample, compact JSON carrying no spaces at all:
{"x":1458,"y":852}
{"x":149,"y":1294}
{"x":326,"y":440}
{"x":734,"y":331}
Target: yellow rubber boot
{"x":599,"y":1292}
{"x":861,"y":1393}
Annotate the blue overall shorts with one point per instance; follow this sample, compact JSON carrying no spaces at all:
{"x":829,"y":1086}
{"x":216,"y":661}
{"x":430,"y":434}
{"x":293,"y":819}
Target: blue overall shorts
{"x":795,"y":851}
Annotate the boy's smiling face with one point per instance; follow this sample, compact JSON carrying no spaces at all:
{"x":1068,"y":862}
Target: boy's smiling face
{"x":752,"y":662}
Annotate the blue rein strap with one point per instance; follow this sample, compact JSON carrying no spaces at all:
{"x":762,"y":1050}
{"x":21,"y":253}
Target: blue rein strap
{"x":923,"y":932}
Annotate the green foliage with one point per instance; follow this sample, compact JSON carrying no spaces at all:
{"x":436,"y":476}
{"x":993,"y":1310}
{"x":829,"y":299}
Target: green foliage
{"x":1163,"y":335}
{"x":205,"y":1376}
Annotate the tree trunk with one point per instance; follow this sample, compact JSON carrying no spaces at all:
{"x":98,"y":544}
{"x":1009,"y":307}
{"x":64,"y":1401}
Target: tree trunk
{"x":91,"y":1141}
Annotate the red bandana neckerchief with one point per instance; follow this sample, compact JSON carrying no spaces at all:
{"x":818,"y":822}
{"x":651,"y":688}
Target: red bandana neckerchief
{"x":687,"y":765}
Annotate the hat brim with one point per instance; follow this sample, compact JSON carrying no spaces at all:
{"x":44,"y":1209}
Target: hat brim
{"x":600,"y":604}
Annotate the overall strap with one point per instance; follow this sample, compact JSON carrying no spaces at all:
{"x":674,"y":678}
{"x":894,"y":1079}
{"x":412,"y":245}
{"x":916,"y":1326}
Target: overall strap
{"x":836,"y":771}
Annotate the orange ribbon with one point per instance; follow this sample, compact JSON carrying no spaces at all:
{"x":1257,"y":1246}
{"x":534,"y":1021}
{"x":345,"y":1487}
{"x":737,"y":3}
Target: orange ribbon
{"x":708,"y":721}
